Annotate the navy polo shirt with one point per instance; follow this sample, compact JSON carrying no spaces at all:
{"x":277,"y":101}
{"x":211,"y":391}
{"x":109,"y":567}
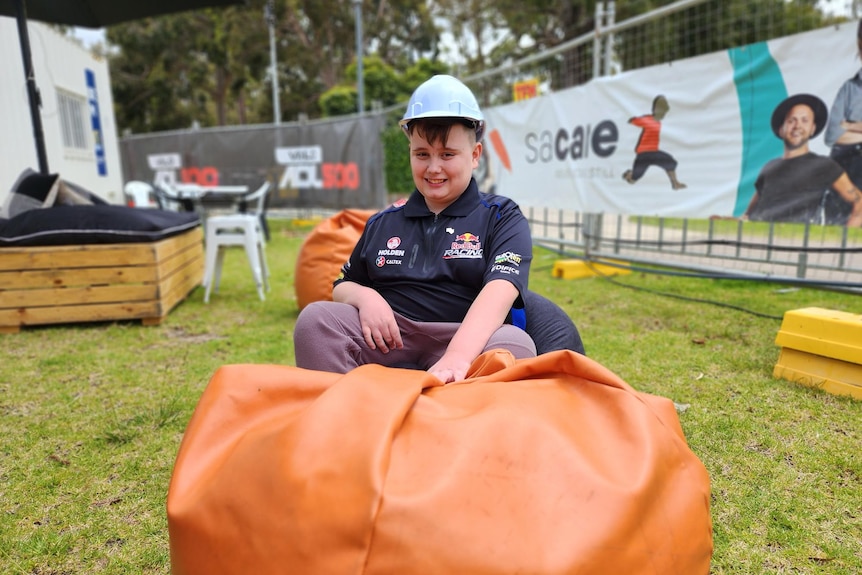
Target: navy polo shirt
{"x":431,"y":267}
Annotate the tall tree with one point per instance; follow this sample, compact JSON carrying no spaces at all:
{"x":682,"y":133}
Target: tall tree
{"x":190,"y":68}
{"x":473,"y":27}
{"x":212,"y":67}
{"x":401,"y":31}
{"x":152,"y":89}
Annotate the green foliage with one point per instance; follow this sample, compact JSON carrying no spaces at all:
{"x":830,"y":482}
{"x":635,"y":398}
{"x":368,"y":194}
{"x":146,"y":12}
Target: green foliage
{"x":382,"y":83}
{"x":193,"y":67}
{"x":421,"y":71}
{"x":550,"y":22}
{"x":147,"y":96}
{"x":339,"y":101}
{"x":401,"y":29}
{"x":399,"y":179}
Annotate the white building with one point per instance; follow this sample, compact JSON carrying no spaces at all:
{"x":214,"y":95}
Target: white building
{"x":77,"y":112}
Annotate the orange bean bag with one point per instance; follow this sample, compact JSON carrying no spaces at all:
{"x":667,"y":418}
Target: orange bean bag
{"x":547,"y":465}
{"x":324,"y":251}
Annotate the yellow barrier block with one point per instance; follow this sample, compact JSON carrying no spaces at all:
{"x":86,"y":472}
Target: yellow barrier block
{"x":307,"y":222}
{"x":575,"y":269}
{"x":821,"y":348}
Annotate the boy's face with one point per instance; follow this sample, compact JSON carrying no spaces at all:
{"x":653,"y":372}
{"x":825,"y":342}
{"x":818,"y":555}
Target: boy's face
{"x":441,"y":173}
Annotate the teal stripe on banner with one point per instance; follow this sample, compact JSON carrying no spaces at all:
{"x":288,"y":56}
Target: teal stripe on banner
{"x":759,"y":87}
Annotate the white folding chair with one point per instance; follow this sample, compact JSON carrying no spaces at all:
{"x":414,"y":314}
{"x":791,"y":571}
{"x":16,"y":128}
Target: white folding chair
{"x":242,"y":229}
{"x":139,"y":194}
{"x":168,"y":199}
{"x":255,"y":203}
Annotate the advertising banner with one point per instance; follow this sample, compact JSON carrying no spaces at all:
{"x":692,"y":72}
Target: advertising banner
{"x":331,"y":164}
{"x":691,"y":138}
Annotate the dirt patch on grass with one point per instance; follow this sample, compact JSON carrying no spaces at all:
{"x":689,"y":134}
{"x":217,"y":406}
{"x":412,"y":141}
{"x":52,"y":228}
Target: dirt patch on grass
{"x":180,"y":334}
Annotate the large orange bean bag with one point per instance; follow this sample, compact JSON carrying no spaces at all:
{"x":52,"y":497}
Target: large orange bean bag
{"x":324,"y":251}
{"x":547,"y":465}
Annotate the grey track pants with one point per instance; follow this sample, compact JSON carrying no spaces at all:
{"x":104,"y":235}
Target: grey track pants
{"x":328,"y":337}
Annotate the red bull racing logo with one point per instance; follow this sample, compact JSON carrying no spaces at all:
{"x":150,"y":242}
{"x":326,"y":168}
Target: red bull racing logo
{"x":465,"y":246}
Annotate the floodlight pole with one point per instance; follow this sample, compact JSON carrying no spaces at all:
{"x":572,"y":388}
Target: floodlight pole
{"x":269,"y":15}
{"x":360,"y":82}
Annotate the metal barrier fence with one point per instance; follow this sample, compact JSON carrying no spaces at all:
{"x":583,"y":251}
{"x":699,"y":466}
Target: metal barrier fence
{"x":682,"y":29}
{"x":799,"y":254}
{"x":827,"y":256}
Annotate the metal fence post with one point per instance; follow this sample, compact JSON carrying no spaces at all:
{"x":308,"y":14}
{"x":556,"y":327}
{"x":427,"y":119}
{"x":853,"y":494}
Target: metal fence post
{"x":597,"y":40}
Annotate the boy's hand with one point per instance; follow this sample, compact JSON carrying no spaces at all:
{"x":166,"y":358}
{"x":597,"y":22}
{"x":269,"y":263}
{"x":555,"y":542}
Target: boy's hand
{"x":450,"y":368}
{"x":378,"y":323}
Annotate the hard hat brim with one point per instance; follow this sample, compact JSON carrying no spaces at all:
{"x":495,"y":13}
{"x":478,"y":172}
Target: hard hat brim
{"x":437,"y":114}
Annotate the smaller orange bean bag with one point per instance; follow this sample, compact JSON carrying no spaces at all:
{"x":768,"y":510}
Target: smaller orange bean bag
{"x":323,"y":253}
{"x":543,"y":466}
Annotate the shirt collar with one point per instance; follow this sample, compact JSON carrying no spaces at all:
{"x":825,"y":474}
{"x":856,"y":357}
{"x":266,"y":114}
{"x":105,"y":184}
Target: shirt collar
{"x":466,"y":202}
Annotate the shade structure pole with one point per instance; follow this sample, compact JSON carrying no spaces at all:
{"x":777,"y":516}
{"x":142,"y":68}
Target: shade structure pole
{"x":32,"y":90}
{"x":360,"y":81}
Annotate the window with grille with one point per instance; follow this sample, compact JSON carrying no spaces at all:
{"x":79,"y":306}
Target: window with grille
{"x":73,"y":118}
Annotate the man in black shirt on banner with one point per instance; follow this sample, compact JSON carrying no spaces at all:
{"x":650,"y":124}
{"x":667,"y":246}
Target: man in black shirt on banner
{"x":792,"y":188}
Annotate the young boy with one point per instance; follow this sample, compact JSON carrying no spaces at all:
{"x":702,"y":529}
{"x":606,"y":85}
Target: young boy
{"x":432,"y":281}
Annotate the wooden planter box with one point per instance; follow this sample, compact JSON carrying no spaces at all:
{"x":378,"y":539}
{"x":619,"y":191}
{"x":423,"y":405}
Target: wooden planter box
{"x":99,"y":282}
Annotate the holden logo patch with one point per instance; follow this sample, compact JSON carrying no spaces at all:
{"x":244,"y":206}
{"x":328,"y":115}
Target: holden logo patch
{"x":393,"y":242}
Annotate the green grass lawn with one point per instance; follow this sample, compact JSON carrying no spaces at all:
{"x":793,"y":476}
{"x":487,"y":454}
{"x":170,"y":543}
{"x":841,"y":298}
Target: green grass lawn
{"x":91,"y":415}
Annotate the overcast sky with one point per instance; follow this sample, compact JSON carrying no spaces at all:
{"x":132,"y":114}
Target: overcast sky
{"x":89,"y":36}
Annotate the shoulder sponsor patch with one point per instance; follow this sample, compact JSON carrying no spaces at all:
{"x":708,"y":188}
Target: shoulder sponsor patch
{"x":508,"y":258}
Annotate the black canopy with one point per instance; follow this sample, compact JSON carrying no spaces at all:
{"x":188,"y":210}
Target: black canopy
{"x":87,"y":14}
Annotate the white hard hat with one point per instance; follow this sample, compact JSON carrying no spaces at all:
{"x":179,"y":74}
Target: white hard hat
{"x":444,"y":96}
